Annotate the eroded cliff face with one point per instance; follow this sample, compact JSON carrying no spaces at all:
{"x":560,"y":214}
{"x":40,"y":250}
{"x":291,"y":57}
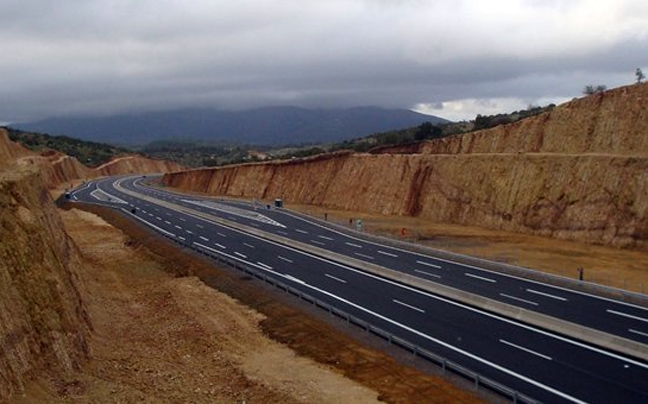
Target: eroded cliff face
{"x":576,"y":172}
{"x":44,"y":325}
{"x":43,"y":322}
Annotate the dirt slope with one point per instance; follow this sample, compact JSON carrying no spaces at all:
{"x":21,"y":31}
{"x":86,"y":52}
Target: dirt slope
{"x":577,"y":172}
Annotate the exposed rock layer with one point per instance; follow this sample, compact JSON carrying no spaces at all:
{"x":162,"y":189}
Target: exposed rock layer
{"x":576,"y":172}
{"x":44,"y":325}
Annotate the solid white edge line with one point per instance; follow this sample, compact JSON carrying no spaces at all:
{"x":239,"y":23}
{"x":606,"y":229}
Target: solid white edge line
{"x":408,"y":306}
{"x":480,"y":277}
{"x":467,"y":265}
{"x":618,"y":313}
{"x":521,"y":348}
{"x":448,"y":301}
{"x":412,"y":330}
{"x":537,"y":292}
{"x":240,"y":254}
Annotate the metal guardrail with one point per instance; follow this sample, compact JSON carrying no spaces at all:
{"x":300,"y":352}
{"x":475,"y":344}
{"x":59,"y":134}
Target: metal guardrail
{"x":445,"y":364}
{"x":522,"y":272}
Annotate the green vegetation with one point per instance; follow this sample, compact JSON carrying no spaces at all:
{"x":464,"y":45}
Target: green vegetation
{"x":91,"y":154}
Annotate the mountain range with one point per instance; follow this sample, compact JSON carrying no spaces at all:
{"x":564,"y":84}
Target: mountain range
{"x":270,"y":126}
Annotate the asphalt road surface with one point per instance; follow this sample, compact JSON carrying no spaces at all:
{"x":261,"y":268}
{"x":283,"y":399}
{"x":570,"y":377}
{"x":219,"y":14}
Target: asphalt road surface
{"x":538,"y":363}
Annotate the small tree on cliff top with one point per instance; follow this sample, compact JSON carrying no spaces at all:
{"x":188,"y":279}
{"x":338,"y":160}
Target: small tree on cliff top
{"x":639,"y":75}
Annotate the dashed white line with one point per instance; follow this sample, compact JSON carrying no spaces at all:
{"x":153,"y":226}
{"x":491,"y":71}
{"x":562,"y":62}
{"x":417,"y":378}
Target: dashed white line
{"x":167,"y":222}
{"x":353,"y":245}
{"x":222,"y":235}
{"x":387,"y":253}
{"x":301,"y":231}
{"x":326,"y":238}
{"x":200,"y":226}
{"x":158,"y":218}
{"x":335,"y":278}
{"x":182,"y":219}
{"x":204,"y":238}
{"x":618,"y":313}
{"x":282,"y":232}
{"x":519,"y":299}
{"x":285,"y":259}
{"x":408,"y":306}
{"x":562,"y":299}
{"x":521,"y":348}
{"x":264,"y":265}
{"x":189,"y":232}
{"x":248,"y":245}
{"x":364,"y":256}
{"x":317,"y":242}
{"x":427,"y":273}
{"x":220,"y":246}
{"x":428,"y":264}
{"x":240,"y":255}
{"x":178,"y":227}
{"x":638,"y":332}
{"x":481,"y":278}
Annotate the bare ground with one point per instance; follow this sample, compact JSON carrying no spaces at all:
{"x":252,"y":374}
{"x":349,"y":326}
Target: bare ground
{"x":161,"y":337}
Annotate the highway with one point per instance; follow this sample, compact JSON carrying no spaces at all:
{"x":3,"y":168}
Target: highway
{"x":536,"y":362}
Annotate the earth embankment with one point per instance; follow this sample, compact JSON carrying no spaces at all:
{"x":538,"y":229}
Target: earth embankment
{"x":576,"y":172}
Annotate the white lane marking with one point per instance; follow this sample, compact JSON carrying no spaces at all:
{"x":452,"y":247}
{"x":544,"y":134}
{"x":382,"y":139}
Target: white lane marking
{"x":428,"y":264}
{"x":189,"y":231}
{"x":480,"y":277}
{"x":167,"y":222}
{"x":178,"y":227}
{"x":150,"y":214}
{"x":182,"y":220}
{"x":220,"y":246}
{"x":445,"y":344}
{"x":638,"y":332}
{"x":317,"y":242}
{"x":248,"y":245}
{"x":431,"y":296}
{"x":285,"y":259}
{"x":364,"y":256}
{"x":240,"y":255}
{"x":387,"y":254}
{"x":618,"y":313}
{"x":222,"y":235}
{"x":282,"y":232}
{"x":292,"y":278}
{"x":519,"y":299}
{"x":301,"y":231}
{"x":335,"y":278}
{"x":264,"y":265}
{"x":427,"y":273}
{"x":326,"y":238}
{"x":232,"y":219}
{"x":204,"y":238}
{"x":199,"y":226}
{"x":169,"y":214}
{"x":254,"y":225}
{"x":521,"y":348}
{"x":152,"y":225}
{"x":143,"y":211}
{"x":158,"y":218}
{"x":562,"y":299}
{"x":408,"y":305}
{"x":353,"y":245}
{"x":182,"y":238}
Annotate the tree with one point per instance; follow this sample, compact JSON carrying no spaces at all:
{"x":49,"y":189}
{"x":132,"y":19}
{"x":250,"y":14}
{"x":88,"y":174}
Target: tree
{"x":590,"y":89}
{"x":639,"y":75}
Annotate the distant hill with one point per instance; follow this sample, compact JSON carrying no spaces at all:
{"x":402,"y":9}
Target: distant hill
{"x":262,"y":126}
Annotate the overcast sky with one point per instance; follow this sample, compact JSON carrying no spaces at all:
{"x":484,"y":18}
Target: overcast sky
{"x":451,"y":58}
